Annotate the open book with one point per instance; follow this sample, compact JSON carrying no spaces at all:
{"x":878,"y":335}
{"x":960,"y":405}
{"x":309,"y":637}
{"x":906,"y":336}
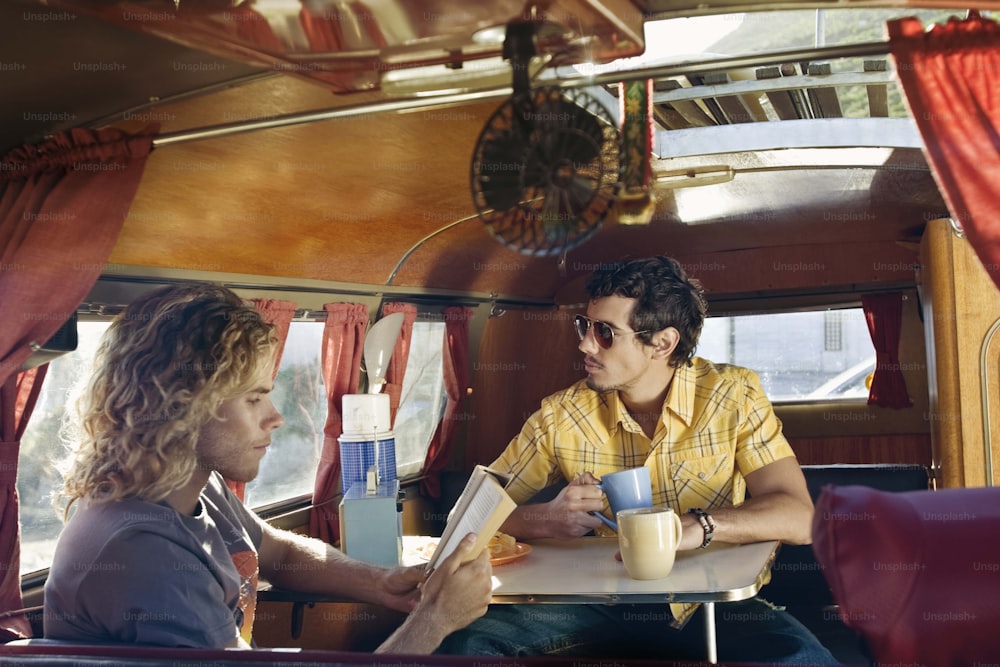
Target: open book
{"x":483,"y":506}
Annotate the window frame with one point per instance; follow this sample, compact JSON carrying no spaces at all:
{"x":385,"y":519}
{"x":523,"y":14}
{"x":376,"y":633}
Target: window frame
{"x":786,"y":304}
{"x":425,"y":316}
{"x":110,"y":293}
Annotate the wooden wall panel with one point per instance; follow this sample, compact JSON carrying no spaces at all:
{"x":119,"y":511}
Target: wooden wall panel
{"x":524,"y":356}
{"x":900,"y":448}
{"x":961,"y":305}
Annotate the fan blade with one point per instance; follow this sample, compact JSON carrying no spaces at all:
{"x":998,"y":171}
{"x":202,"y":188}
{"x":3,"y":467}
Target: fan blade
{"x":499,"y":167}
{"x":546,"y":170}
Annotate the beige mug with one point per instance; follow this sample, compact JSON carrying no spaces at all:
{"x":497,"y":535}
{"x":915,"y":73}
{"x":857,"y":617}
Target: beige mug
{"x":648,"y":539}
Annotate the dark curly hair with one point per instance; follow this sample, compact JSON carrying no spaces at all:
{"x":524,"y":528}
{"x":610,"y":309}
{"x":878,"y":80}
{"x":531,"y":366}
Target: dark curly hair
{"x":665,"y":297}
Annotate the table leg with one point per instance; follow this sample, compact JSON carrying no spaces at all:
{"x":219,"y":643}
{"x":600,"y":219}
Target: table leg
{"x":712,"y":654}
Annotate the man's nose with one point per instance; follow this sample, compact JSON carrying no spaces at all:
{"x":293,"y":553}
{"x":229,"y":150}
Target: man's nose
{"x":274,"y":420}
{"x":588,"y":344}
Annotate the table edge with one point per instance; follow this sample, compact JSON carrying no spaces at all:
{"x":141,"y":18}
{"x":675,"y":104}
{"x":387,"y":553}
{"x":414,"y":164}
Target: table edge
{"x":732,"y":595}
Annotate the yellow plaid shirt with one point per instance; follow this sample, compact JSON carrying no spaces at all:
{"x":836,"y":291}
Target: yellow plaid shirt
{"x":716,"y":426}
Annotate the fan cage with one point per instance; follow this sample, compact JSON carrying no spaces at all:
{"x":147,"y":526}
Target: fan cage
{"x":546,"y":170}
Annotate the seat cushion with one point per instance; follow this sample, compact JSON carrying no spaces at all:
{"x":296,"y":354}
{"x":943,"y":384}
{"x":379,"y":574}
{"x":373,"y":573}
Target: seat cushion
{"x":916,"y":573}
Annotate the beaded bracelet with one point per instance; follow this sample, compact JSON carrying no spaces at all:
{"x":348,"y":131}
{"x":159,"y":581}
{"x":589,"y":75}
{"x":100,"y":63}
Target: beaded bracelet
{"x":707,"y":524}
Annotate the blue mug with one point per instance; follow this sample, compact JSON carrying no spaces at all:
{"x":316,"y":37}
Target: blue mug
{"x":626,"y":490}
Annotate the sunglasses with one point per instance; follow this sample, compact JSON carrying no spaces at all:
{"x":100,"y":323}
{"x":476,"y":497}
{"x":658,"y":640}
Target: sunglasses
{"x":604,"y":333}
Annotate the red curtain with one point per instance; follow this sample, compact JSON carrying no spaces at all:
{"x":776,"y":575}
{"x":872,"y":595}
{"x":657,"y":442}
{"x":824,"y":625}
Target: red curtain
{"x":884,"y":315}
{"x":949,"y":77}
{"x":280,"y":314}
{"x":343,"y":344}
{"x":62,"y":205}
{"x":17,"y":399}
{"x":322,"y":31}
{"x":456,"y":383}
{"x":400,"y":355}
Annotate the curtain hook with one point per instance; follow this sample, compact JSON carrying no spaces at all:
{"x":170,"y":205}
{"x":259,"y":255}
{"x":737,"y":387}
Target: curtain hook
{"x":956,"y":227}
{"x":495,"y":311}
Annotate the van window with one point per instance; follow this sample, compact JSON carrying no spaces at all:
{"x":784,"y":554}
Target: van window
{"x":38,"y":478}
{"x":423,"y":400}
{"x":767,"y":31}
{"x":813,"y":355}
{"x":289,"y":469}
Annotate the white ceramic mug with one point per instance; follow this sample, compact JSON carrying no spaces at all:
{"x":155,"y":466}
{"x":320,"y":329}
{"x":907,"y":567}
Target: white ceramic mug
{"x":648,"y":539}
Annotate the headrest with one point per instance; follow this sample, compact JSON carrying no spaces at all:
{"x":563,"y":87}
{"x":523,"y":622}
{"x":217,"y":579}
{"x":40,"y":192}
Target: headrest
{"x":916,"y":573}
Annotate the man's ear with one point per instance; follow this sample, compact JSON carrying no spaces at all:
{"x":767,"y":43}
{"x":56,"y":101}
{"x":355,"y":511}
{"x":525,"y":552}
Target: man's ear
{"x":665,"y":342}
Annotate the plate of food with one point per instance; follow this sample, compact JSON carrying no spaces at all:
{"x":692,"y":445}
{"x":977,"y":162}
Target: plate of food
{"x":503,"y":548}
{"x":425,"y":550}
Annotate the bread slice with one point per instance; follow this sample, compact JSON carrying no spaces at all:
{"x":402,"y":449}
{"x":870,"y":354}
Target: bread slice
{"x":502,"y":544}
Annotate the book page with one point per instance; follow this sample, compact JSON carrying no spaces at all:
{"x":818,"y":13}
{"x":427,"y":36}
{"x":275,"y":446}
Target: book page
{"x":473,"y":519}
{"x":481,"y":509}
{"x":447,"y":536}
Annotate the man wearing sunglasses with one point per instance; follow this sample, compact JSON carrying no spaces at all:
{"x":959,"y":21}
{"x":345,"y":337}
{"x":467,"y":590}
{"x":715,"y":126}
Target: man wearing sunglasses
{"x":708,"y":435}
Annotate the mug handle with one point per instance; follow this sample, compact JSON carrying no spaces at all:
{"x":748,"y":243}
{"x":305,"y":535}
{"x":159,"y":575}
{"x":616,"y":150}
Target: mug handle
{"x":611,"y":524}
{"x":678,"y":529}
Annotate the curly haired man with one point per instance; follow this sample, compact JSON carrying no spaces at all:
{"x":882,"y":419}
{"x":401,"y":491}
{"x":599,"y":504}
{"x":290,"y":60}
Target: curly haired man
{"x":156,"y":549}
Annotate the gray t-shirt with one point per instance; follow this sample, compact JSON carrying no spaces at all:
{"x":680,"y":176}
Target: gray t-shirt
{"x":132,"y":571}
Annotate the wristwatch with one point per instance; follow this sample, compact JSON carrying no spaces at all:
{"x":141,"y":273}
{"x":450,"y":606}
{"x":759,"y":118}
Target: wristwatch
{"x":707,"y":525}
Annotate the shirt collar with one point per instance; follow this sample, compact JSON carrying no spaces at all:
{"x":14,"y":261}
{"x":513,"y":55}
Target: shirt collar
{"x":619,"y":414}
{"x":680,"y":397}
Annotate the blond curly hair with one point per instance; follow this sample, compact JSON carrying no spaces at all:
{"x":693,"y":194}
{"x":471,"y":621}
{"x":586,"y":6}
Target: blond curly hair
{"x":161,"y":371}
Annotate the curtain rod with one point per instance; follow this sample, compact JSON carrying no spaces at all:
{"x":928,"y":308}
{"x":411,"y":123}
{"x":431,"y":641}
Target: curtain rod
{"x":317,"y":315}
{"x":112,"y":303}
{"x":605,"y":78}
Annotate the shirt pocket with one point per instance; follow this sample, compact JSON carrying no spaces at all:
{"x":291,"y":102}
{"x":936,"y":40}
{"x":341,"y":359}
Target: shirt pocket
{"x":704,"y":481}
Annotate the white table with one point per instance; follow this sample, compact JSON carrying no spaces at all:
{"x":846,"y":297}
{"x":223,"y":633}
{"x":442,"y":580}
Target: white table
{"x":584,"y":571}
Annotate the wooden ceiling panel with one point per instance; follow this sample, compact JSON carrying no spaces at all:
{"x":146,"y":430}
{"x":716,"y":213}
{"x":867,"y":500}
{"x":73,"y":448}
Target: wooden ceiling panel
{"x":332,"y":200}
{"x":356,"y":200}
{"x":385,"y":199}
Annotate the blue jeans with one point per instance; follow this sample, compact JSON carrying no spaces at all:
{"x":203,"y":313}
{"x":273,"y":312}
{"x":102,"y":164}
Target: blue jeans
{"x":747,"y":631}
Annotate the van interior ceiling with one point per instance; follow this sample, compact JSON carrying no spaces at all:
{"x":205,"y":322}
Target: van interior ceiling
{"x":408,"y":200}
{"x":324,"y":151}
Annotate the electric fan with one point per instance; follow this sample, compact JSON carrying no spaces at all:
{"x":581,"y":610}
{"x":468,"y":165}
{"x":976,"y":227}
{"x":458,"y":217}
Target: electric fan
{"x":546,"y":168}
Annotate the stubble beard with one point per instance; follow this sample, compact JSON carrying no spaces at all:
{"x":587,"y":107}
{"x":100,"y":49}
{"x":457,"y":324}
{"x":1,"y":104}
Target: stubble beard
{"x":592,"y":384}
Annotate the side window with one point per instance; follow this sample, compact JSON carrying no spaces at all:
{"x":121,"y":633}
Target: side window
{"x":289,"y":467}
{"x":800,"y":356}
{"x":38,"y":480}
{"x":423,"y":400}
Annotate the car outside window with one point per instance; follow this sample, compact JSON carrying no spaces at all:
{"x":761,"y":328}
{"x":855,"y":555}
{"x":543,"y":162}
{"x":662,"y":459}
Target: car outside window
{"x":800,"y":356}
